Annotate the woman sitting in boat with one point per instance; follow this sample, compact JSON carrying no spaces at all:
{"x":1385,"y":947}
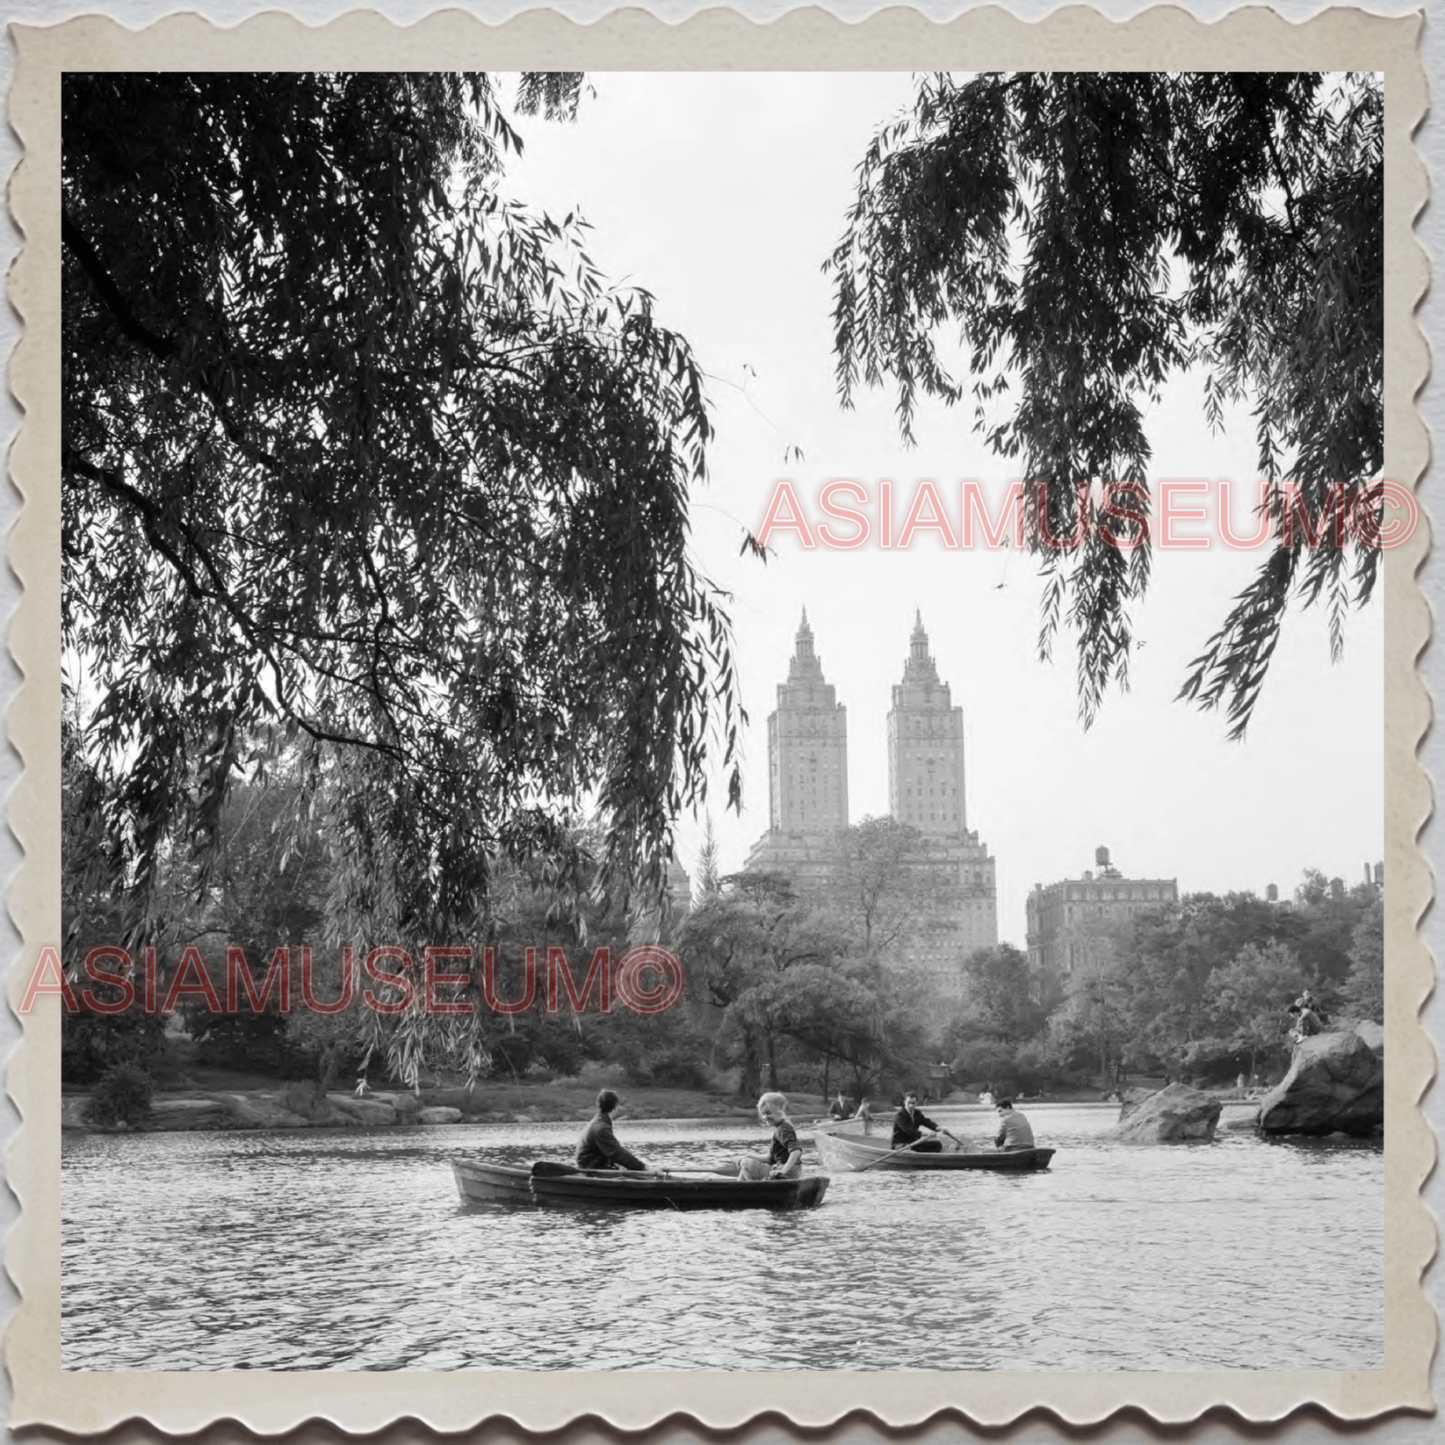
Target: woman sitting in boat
{"x":785,"y":1154}
{"x":598,"y":1147}
{"x":908,"y":1126}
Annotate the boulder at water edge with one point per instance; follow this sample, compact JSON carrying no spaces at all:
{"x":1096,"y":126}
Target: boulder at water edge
{"x":1336,"y":1083}
{"x":1170,"y":1115}
{"x":371,"y":1112}
{"x":439,"y":1114}
{"x":1373,"y":1034}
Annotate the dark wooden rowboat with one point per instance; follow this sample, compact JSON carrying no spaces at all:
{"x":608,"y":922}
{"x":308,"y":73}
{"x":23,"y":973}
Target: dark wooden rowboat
{"x":625,"y":1189}
{"x":846,"y":1151}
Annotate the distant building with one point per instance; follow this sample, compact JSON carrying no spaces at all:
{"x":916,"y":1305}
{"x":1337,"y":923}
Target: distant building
{"x":807,"y":770}
{"x":926,"y":790}
{"x":1058,"y":913}
{"x":808,"y":802}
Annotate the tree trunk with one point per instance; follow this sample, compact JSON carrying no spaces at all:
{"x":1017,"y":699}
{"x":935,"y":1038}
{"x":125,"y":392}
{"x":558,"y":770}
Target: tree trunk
{"x":772,"y":1062}
{"x":827,"y":1070}
{"x":750,"y":1085}
{"x":326,"y":1076}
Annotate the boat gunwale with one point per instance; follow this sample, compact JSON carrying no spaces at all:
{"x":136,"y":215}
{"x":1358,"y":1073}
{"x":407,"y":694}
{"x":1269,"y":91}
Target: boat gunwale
{"x":607,"y":1187}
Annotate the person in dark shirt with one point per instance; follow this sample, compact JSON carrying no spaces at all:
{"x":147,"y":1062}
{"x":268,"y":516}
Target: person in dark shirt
{"x":598,"y":1147}
{"x":908,"y":1126}
{"x":785,"y":1153}
{"x":838,"y":1109}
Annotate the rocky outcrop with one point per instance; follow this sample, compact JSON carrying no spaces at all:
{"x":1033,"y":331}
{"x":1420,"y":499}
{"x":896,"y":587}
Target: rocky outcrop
{"x":1172,"y":1115}
{"x":259,"y":1111}
{"x":1335,"y":1084}
{"x":439,"y":1114}
{"x":1131,"y":1099}
{"x":188,"y":1114}
{"x":371,"y":1112}
{"x":1373,"y":1034}
{"x":407,"y":1105}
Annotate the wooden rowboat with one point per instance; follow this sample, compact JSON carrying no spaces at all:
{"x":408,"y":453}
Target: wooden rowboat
{"x":846,"y":1151}
{"x":626,"y":1189}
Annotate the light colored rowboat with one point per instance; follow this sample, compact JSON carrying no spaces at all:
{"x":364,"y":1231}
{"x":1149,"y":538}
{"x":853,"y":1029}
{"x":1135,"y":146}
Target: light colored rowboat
{"x":546,"y":1183}
{"x":843,"y":1149}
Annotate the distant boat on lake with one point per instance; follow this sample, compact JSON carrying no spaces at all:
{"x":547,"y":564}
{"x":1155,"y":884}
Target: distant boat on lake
{"x":843,"y":1148}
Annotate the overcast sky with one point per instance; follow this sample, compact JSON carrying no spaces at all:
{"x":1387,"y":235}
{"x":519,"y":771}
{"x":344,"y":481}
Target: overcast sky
{"x":722,"y":195}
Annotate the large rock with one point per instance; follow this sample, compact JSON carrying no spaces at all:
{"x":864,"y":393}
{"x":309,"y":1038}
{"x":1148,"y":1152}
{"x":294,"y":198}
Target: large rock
{"x":1335,"y":1084}
{"x":72,"y":1112}
{"x":188,"y":1114}
{"x":1373,"y":1034}
{"x":1170,"y":1115}
{"x":407,"y":1105}
{"x":1131,"y":1099}
{"x":261,"y":1111}
{"x":439,"y":1114}
{"x":371,"y":1112}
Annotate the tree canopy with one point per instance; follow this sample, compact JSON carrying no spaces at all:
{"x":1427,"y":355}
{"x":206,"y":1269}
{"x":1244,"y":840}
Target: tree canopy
{"x":1088,"y":236}
{"x":354,"y":446}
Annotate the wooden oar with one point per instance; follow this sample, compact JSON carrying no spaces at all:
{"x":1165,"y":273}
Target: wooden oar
{"x":906,"y":1149}
{"x":547,"y":1169}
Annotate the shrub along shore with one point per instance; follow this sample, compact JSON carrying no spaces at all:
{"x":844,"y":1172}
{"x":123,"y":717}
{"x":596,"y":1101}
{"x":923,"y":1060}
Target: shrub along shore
{"x":295,"y":1106}
{"x":224,"y":1104}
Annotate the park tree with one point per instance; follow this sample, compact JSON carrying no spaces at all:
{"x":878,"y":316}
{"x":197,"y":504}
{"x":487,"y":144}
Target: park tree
{"x":999,"y":1001}
{"x":1364,"y":990}
{"x":738,"y":950}
{"x":1088,"y":236}
{"x":878,"y":885}
{"x":358,"y":449}
{"x":709,"y":873}
{"x":1248,"y":999}
{"x":1093,"y":1024}
{"x":92,"y":885}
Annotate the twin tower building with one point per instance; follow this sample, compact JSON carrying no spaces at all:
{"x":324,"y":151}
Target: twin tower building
{"x":808,"y":800}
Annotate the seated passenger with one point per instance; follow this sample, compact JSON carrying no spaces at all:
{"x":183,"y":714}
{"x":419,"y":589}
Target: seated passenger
{"x":1014,"y":1131}
{"x":785,"y":1153}
{"x":598,"y":1147}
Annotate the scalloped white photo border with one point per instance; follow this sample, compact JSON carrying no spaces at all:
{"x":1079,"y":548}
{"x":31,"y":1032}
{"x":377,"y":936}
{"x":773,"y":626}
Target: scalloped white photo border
{"x":1076,"y":38}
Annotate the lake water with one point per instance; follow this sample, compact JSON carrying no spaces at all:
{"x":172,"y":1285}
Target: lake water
{"x":348,"y":1250}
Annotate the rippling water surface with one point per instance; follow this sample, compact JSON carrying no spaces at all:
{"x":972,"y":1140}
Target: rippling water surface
{"x":344,"y":1250}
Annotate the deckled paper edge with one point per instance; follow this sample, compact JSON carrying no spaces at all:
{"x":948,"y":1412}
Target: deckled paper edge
{"x":898,"y":39}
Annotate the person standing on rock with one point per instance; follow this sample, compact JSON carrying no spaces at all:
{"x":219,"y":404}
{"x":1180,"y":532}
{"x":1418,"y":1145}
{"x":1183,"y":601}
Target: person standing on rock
{"x":598,"y":1147}
{"x":1014,"y":1131}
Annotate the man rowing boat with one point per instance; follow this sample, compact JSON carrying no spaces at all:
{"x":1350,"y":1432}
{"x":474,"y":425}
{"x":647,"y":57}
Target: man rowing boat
{"x":598,"y":1147}
{"x":908,"y":1126}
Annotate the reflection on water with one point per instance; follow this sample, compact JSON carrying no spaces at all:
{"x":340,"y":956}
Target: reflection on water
{"x":340,"y":1250}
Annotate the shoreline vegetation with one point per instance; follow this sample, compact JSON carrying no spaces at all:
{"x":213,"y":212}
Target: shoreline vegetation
{"x":219,"y":1105}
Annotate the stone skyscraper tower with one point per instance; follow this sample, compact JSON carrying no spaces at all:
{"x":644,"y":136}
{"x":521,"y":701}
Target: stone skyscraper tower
{"x":925,"y":748}
{"x":807,"y":768}
{"x":926,"y":790}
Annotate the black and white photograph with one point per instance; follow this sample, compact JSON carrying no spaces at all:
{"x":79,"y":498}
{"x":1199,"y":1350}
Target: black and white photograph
{"x":723,"y":721}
